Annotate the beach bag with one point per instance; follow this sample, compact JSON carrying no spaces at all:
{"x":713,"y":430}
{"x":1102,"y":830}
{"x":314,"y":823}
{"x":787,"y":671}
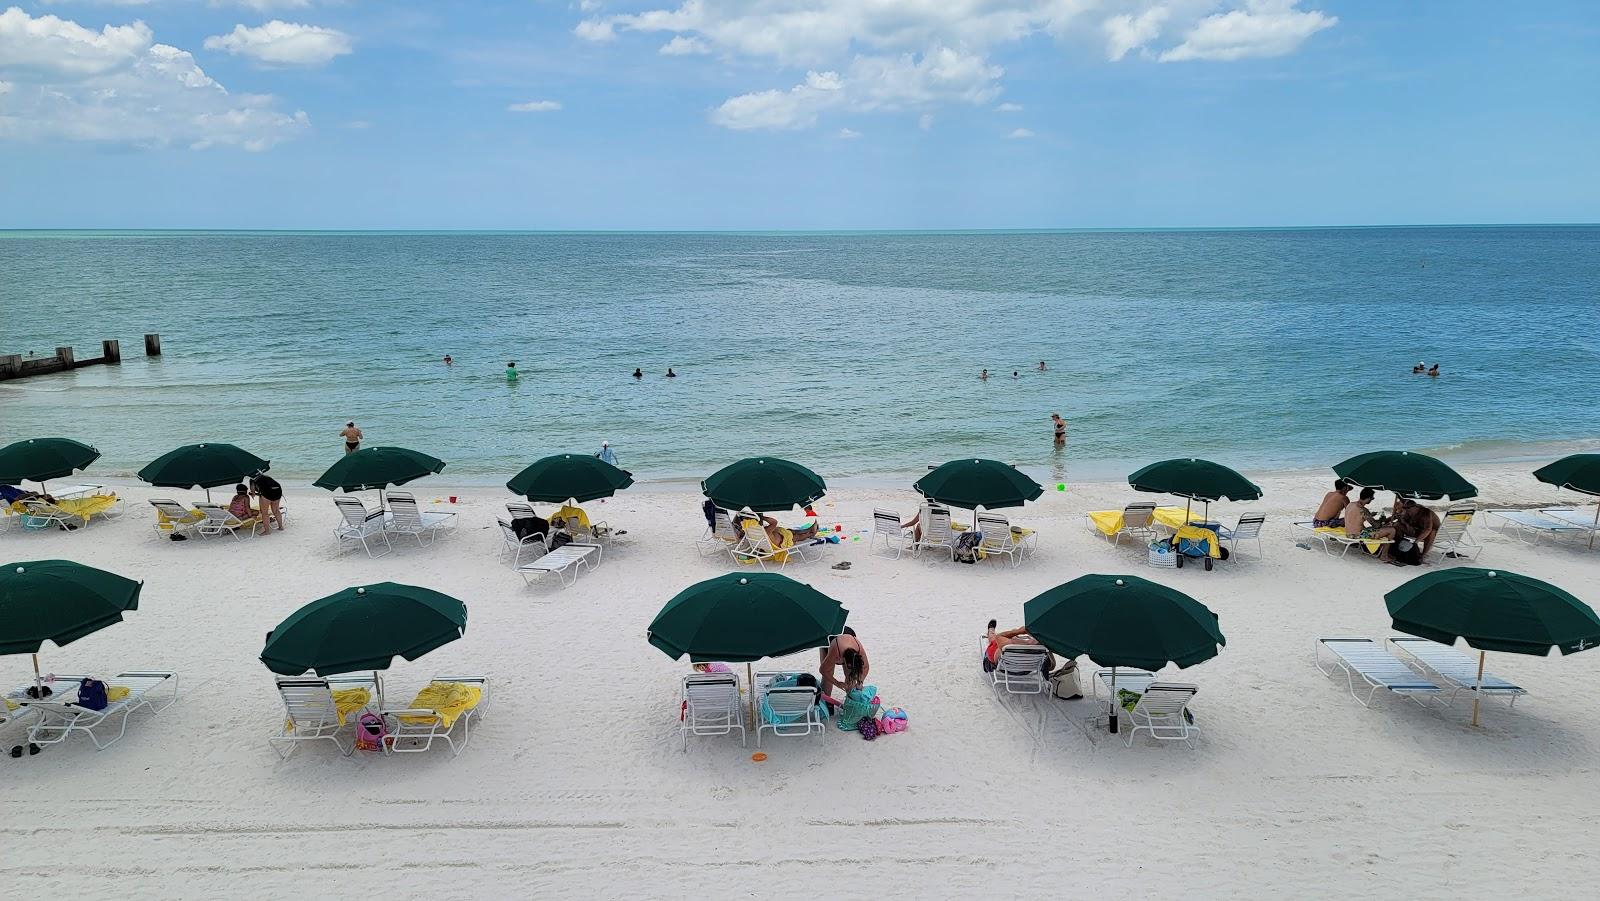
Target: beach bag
{"x":1064,"y":682}
{"x":92,"y":694}
{"x":967,"y":546}
{"x":371,"y":732}
{"x":559,"y":538}
{"x":893,"y":720}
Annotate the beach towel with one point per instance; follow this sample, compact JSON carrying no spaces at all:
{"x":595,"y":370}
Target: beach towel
{"x":116,"y":692}
{"x":1193,"y":535}
{"x":191,"y":517}
{"x":85,"y":507}
{"x":448,"y":699}
{"x":858,"y":704}
{"x":1109,"y":522}
{"x":572,"y":514}
{"x":1371,"y":546}
{"x":345,"y":702}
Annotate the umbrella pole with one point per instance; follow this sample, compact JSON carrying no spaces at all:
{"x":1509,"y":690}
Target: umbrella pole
{"x":1596,"y":525}
{"x":378,"y":684}
{"x":1477,"y":693}
{"x":38,"y":682}
{"x":750,"y":687}
{"x":208,"y":495}
{"x":1114,"y":704}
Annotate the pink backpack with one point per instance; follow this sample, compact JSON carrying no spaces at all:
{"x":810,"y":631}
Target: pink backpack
{"x":371,"y":732}
{"x":893,"y":720}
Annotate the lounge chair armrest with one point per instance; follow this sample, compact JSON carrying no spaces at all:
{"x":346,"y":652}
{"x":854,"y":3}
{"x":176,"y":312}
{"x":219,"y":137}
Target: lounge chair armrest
{"x":376,"y":514}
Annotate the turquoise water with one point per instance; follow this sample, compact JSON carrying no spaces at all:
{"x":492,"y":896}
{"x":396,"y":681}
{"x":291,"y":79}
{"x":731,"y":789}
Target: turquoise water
{"x":857,"y":354}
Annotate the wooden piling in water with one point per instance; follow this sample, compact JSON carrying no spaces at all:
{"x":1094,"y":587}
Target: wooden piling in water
{"x":152,"y":345}
{"x":111,"y":351}
{"x":16,"y":366}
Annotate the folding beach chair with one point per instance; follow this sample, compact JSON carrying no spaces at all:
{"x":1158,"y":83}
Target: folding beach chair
{"x":319,"y":709}
{"x":886,"y":527}
{"x":358,"y":527}
{"x":407,"y":518}
{"x":711,"y":706}
{"x":1367,"y":665}
{"x":60,"y":719}
{"x":1162,"y":711}
{"x":218,"y":520}
{"x":415,"y":728}
{"x":1249,"y":528}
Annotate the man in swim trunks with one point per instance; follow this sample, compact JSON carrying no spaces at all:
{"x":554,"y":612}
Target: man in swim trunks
{"x":999,"y":640}
{"x":1359,"y":523}
{"x":352,"y":437}
{"x":1330,"y":512}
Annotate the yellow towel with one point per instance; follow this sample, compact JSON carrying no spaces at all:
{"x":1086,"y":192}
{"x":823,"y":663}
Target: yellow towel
{"x":116,"y":692}
{"x":11,"y":705}
{"x":569,"y":512}
{"x":756,"y":533}
{"x":448,"y":699}
{"x":345,"y":702}
{"x":1371,"y":546}
{"x":191,"y":516}
{"x":1108,"y":522}
{"x":1195,"y":533}
{"x":85,"y":507}
{"x":1173,"y":517}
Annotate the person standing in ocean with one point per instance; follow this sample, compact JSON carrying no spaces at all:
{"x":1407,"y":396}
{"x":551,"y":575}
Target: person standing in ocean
{"x":447,"y":360}
{"x":352,"y":437}
{"x":606,"y":454}
{"x":670,"y":373}
{"x":1041,"y":366}
{"x":638,"y":373}
{"x":511,"y":371}
{"x":983,"y":376}
{"x":1061,"y":428}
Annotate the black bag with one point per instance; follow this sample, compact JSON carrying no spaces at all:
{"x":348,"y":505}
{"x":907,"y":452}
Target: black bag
{"x":967,"y":546}
{"x":92,"y":694}
{"x":559,"y":539}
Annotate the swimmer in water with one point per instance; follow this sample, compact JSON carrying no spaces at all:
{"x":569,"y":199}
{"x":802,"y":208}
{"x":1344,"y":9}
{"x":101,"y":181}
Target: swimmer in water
{"x":511,"y":371}
{"x":1418,"y":369}
{"x":984,"y":375}
{"x":1041,"y":366}
{"x":447,"y":360}
{"x":1433,"y":372}
{"x":670,"y":373}
{"x":638,"y":373}
{"x":1014,"y":374}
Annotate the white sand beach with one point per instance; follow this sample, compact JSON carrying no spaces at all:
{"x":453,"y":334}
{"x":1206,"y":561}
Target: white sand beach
{"x":576,"y":784}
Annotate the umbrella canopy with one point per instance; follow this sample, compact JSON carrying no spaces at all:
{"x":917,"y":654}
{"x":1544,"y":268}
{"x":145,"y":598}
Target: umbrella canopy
{"x":970,"y":484}
{"x":41,"y":459}
{"x":1197,"y":480}
{"x":1124,"y":621}
{"x":1579,"y":472}
{"x":1406,"y":473}
{"x":580,"y":477}
{"x":378,"y":468}
{"x":202,"y":466}
{"x":59,"y":601}
{"x":1493,"y":610}
{"x":763,"y":484}
{"x":741,"y":617}
{"x":363,"y":628}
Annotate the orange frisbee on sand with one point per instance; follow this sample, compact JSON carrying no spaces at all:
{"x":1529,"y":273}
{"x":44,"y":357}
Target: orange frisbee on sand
{"x":758,"y":756}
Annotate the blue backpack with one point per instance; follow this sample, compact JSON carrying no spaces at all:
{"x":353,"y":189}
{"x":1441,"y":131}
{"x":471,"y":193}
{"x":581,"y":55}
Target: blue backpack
{"x":92,"y":694}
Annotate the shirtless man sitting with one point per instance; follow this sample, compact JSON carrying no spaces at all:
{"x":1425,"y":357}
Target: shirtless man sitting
{"x":1358,"y":523}
{"x":1331,"y":511}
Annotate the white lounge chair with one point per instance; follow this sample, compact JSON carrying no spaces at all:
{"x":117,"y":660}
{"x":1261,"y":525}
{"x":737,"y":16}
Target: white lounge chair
{"x":711,"y":706}
{"x":1249,"y":528}
{"x":1455,"y":669}
{"x":312,"y":714}
{"x":218,"y":520}
{"x":794,"y":710}
{"x":1162,"y":711}
{"x":1019,"y":669}
{"x":173,"y":518}
{"x":407,"y":518}
{"x":1453,"y":539}
{"x":59,"y":719}
{"x":757,"y":546}
{"x":564,"y":559}
{"x":1138,"y":522}
{"x":416,"y":728}
{"x":358,"y":527}
{"x":936,"y":532}
{"x":520,"y":511}
{"x":720,"y":537}
{"x":1367,"y":665}
{"x":1337,"y":539}
{"x":515,"y":545}
{"x":14,"y":709}
{"x":41,"y":514}
{"x":1530,"y":527}
{"x":886,"y":526}
{"x":1125,"y":677}
{"x":998,"y":538}
{"x":1582,"y":519}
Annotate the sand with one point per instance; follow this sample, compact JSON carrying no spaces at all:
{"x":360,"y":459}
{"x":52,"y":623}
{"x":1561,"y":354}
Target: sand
{"x":576,"y":783}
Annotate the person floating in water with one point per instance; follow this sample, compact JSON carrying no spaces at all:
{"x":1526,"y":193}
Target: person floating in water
{"x":1015,"y":374}
{"x":638,"y":373}
{"x":670,"y":373}
{"x":1419,"y":369}
{"x":606,"y":454}
{"x":984,"y":375}
{"x":1433,"y":371}
{"x":1061,"y":428}
{"x":447,"y":360}
{"x":511,"y":371}
{"x":1041,"y":366}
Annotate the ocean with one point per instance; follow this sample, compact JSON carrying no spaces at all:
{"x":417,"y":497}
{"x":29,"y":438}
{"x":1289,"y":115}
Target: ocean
{"x":857,"y":354}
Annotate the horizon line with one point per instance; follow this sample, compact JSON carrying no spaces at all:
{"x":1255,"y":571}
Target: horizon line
{"x":787,"y":231}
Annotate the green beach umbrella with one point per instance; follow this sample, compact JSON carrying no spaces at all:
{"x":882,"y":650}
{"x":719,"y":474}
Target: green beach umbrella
{"x":742,"y":617}
{"x":973,"y":483}
{"x":1123,"y":621}
{"x":1493,"y":610}
{"x":363,"y":628}
{"x":763,"y":484}
{"x":1195,"y":480}
{"x":42,"y":459}
{"x":202,"y":466}
{"x":378,"y":468}
{"x":1406,"y":473}
{"x":1578,"y":472}
{"x":562,"y":477}
{"x":59,"y":601}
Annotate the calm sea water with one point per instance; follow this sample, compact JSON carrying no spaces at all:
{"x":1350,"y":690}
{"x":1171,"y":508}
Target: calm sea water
{"x":857,"y":354}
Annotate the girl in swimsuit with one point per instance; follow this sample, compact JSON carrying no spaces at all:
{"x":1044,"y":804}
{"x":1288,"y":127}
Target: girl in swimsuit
{"x":1061,"y":428}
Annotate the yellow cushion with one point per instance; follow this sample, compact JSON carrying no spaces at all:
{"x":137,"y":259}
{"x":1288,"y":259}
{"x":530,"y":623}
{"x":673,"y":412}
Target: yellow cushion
{"x":448,"y":699}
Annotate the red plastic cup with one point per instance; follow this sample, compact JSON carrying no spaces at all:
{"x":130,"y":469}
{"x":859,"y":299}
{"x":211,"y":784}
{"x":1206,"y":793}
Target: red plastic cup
{"x":452,"y":498}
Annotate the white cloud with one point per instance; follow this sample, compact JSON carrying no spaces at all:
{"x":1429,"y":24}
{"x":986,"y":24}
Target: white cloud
{"x":925,"y":121}
{"x":850,"y":36}
{"x":262,"y":6}
{"x":1009,"y":108}
{"x":535,"y":106}
{"x":356,"y":124}
{"x":845,"y":134}
{"x":280,"y":43}
{"x":682,"y":46}
{"x":870,"y":84}
{"x":1019,"y":134}
{"x":117,"y":85}
{"x":1263,"y":28}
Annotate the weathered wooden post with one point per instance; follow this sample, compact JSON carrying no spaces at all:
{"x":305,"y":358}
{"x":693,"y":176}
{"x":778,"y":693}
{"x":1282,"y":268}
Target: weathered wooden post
{"x":10,"y":366}
{"x":64,"y":356}
{"x":152,"y":345}
{"x":111,"y":351}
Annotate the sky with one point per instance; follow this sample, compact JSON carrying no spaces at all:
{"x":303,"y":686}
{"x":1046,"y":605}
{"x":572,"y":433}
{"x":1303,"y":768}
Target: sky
{"x":796,"y":114}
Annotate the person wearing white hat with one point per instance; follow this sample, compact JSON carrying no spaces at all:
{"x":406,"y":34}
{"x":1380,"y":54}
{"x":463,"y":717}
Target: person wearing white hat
{"x":606,"y":454}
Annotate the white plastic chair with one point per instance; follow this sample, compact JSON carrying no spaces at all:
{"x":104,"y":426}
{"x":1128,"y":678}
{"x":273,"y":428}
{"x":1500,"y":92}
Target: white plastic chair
{"x":795,"y":710}
{"x":407,"y":518}
{"x":1249,"y":527}
{"x":711,"y":706}
{"x":218,"y":520}
{"x":1530,"y":527}
{"x":58,"y":720}
{"x":997,"y":538}
{"x":1366,"y":664}
{"x":174,"y":518}
{"x":1019,"y":669}
{"x":1138,"y":521}
{"x":513,"y":544}
{"x":359,"y":527}
{"x":1457,"y":670}
{"x":720,"y":537}
{"x":311,"y":715}
{"x":415,"y":729}
{"x":1453,"y":538}
{"x":758,"y":547}
{"x":936,"y":532}
{"x":1161,"y":711}
{"x":886,"y":527}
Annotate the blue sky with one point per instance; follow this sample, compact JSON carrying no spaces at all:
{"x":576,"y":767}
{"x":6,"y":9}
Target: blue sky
{"x":796,"y":113}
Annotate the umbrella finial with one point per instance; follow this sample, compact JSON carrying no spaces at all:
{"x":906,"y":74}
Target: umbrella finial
{"x":743,"y":581}
{"x":1119,"y":581}
{"x":1491,"y":573}
{"x":361,"y":591}
{"x":20,"y":569}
